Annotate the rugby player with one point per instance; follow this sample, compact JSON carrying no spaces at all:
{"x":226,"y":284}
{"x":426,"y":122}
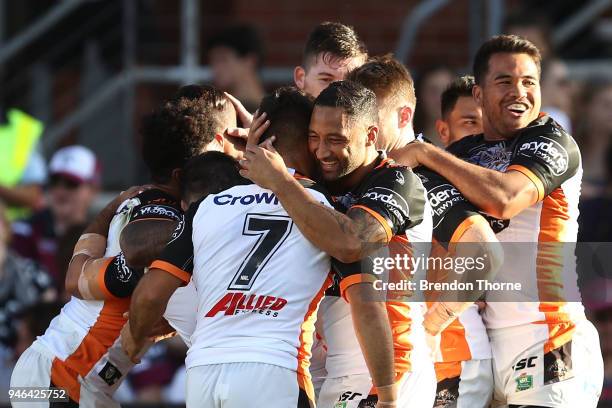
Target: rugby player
{"x":261,"y":308}
{"x":461,"y":116}
{"x":331,"y":51}
{"x":463,"y":356}
{"x":384,"y":203}
{"x":524,"y":168}
{"x":80,"y":351}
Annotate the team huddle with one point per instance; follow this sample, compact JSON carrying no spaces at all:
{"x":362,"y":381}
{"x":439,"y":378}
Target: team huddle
{"x":256,"y":241}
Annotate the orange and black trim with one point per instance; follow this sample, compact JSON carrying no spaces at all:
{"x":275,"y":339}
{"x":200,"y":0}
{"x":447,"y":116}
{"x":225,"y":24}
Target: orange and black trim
{"x":172,"y":270}
{"x":380,"y":218}
{"x":534,"y":179}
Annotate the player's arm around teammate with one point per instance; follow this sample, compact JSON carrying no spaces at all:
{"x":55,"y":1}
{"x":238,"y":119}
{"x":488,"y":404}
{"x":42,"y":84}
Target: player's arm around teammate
{"x":95,"y":277}
{"x":366,"y":232}
{"x":90,"y":248}
{"x":348,"y":238}
{"x":500,"y":194}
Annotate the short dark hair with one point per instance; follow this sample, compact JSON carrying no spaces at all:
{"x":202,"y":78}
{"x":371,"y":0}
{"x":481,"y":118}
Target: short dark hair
{"x":288,"y":109}
{"x":210,"y":173}
{"x":357,"y":101}
{"x":181,"y":127}
{"x":511,"y":44}
{"x":333,"y":40}
{"x":243,"y":39}
{"x":460,"y":86}
{"x":386,"y":77}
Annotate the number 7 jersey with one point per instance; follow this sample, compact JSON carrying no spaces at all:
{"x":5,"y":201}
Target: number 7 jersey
{"x":259,"y":280}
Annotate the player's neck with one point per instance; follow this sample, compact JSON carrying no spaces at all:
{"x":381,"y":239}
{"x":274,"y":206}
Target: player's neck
{"x":404,"y":138}
{"x":353,"y":179}
{"x":170,"y":188}
{"x":492,"y":135}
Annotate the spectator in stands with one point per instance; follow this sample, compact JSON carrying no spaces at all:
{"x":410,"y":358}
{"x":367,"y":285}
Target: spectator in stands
{"x":22,"y":168}
{"x":429,"y":87}
{"x":558,"y":92}
{"x":22,"y":284}
{"x":49,"y":235}
{"x":594,"y":134}
{"x":595,"y":215}
{"x":532,"y":26}
{"x":332,"y":50}
{"x":235,"y":55}
{"x":596,"y":295}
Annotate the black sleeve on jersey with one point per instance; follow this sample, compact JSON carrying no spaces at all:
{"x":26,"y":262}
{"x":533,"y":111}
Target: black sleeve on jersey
{"x":397,"y":195}
{"x":548,"y":152}
{"x":448,"y":206}
{"x":177,"y":256}
{"x":120,"y":280}
{"x":349,"y":274}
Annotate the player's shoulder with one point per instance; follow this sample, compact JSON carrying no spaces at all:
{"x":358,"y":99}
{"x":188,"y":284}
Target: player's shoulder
{"x":465,"y":144}
{"x":389,"y":171}
{"x":545,"y":127}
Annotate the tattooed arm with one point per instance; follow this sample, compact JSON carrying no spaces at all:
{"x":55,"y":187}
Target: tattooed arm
{"x":347,"y":238}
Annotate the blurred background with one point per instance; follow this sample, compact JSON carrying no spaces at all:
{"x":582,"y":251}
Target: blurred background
{"x":83,"y":72}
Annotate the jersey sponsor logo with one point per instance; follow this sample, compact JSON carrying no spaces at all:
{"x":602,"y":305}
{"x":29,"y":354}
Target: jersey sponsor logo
{"x":158,"y":211}
{"x":550,"y":151}
{"x":238,"y":302}
{"x":442,"y":198}
{"x":525,"y":363}
{"x":524,"y":382}
{"x":391,"y":199}
{"x":259,"y":198}
{"x":496,"y":224}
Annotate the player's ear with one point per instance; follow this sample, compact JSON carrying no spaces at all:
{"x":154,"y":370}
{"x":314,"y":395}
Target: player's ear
{"x":477,"y":94}
{"x":443,"y":131}
{"x":298,"y":77}
{"x":405,"y":116}
{"x":372,"y":135}
{"x":177,"y":176}
{"x":220,"y":140}
{"x":184,"y":205}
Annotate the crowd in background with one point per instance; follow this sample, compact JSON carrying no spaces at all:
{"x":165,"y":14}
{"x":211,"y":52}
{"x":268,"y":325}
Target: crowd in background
{"x":43,"y":213}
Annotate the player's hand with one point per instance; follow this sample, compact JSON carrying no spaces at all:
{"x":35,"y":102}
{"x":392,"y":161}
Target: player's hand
{"x":258,"y":126}
{"x":127,"y":194}
{"x":408,"y":155}
{"x":134,"y":348}
{"x":244,"y":116}
{"x":264,"y":167}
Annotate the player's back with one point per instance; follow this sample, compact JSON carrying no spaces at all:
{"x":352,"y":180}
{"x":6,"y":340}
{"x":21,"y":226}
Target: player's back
{"x":259,"y":280}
